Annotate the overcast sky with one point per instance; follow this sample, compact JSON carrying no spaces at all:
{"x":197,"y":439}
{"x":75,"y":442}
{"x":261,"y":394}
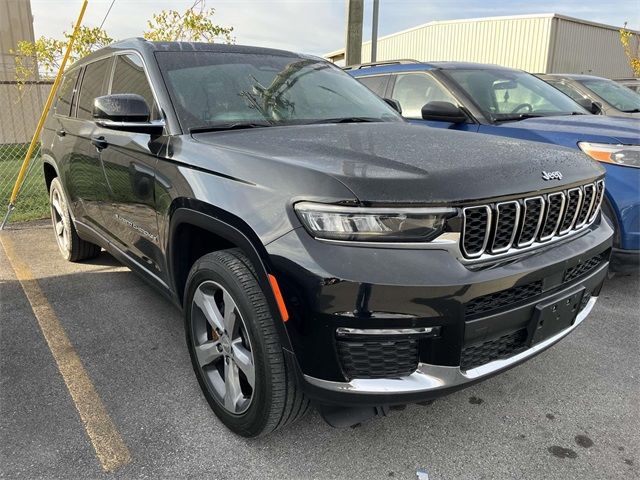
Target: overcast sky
{"x":315,"y":26}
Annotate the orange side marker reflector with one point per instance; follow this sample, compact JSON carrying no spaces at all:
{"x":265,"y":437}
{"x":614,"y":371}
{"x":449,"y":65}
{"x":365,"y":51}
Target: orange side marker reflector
{"x":279,"y":300}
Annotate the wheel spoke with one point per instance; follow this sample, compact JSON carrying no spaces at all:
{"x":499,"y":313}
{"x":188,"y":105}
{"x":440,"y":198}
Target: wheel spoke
{"x":59,"y":227}
{"x":230,"y":313}
{"x":232,"y":392}
{"x":56,"y":205}
{"x":244,"y":361}
{"x":208,"y":353}
{"x":65,"y":237}
{"x":207,"y":304}
{"x":217,"y":382}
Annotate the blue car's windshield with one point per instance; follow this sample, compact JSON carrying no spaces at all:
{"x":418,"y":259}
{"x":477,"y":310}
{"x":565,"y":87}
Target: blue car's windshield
{"x":214,"y":90}
{"x":511,"y":95}
{"x":619,"y":96}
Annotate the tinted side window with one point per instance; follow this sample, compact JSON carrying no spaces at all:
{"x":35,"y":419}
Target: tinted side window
{"x":65,"y":94}
{"x":567,"y":90}
{"x":377,"y":84}
{"x":129,"y":77}
{"x":415,"y":90}
{"x":92,"y":86}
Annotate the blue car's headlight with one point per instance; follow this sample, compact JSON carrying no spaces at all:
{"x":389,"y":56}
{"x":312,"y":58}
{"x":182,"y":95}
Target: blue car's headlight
{"x":628,"y":155}
{"x":364,"y":224}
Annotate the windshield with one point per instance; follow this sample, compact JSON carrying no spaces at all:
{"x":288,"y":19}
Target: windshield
{"x":614,"y":94}
{"x":510,"y":95}
{"x":235,"y":90}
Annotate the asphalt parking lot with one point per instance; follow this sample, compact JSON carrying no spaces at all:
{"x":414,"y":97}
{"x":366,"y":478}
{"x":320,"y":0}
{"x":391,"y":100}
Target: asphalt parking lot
{"x":572,"y":412}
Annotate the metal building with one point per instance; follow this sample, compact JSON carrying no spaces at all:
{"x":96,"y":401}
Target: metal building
{"x":21,"y":107}
{"x":544,"y":43}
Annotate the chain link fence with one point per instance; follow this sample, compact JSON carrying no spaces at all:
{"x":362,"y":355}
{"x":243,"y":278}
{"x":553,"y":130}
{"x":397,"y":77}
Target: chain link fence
{"x":21,"y":108}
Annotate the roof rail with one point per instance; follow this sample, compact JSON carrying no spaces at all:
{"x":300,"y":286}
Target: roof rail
{"x":377,"y":64}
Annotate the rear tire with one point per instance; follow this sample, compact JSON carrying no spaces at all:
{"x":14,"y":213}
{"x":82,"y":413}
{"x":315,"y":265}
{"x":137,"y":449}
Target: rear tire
{"x":71,"y":246}
{"x":235,"y":349}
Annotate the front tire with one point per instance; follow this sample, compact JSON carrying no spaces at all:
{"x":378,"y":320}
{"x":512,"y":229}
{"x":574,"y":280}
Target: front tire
{"x":71,"y":246}
{"x":234,"y":347}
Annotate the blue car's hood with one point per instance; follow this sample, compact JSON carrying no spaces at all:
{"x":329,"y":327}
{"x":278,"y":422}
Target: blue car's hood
{"x":583,"y":127}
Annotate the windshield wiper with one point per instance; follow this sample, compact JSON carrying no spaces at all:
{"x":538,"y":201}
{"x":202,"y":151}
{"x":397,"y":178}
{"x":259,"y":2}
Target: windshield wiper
{"x":634,"y":110}
{"x":348,"y":120}
{"x":519,"y":116}
{"x":216,"y":127}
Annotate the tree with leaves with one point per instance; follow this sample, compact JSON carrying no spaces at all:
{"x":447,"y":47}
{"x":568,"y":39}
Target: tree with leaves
{"x":193,"y":25}
{"x":42,"y":58}
{"x":628,"y":39}
{"x":47,"y":52}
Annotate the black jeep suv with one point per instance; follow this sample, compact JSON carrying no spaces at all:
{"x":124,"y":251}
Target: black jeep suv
{"x":321,"y":248}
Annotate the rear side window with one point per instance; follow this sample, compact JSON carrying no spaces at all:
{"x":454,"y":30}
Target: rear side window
{"x":377,"y":84}
{"x":129,"y":77}
{"x":65,"y":94}
{"x":415,"y":90}
{"x":92,"y":86}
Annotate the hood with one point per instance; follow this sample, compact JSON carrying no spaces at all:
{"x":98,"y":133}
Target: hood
{"x":585,"y":128}
{"x":397,"y":162}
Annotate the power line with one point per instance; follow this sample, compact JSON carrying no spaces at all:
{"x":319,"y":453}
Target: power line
{"x":107,"y":14}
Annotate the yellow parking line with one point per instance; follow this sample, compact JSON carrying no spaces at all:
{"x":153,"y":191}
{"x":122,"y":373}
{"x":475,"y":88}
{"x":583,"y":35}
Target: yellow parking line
{"x":107,"y":442}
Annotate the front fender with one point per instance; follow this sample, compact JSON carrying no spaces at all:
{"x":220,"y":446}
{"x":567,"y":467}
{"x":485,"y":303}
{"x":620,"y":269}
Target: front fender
{"x":235,"y":231}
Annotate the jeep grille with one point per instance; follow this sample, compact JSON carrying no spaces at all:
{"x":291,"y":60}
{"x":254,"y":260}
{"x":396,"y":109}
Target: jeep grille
{"x":495,"y":228}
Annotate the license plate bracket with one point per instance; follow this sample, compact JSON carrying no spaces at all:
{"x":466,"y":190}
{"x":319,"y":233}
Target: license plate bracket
{"x":554,"y":316}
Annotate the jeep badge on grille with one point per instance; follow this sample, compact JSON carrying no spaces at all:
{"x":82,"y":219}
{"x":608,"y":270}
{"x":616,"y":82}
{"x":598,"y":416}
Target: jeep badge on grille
{"x":551,"y":175}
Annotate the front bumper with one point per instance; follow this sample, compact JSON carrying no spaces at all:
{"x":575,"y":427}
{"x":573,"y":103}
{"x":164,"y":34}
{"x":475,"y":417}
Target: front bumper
{"x":332,"y":287}
{"x":428,"y":381}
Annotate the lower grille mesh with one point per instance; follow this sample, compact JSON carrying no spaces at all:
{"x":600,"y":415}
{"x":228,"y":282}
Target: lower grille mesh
{"x":378,"y":358}
{"x":497,"y":300}
{"x":582,"y":268}
{"x":497,"y":348}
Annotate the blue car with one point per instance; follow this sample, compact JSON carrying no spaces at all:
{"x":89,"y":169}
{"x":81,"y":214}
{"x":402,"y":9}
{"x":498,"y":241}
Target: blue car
{"x":503,"y":101}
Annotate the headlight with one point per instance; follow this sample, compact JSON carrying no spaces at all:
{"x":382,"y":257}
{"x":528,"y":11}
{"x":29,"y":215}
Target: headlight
{"x":619,"y":154}
{"x":365,"y":224}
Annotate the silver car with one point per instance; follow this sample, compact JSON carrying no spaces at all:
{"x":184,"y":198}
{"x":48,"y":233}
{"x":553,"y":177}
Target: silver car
{"x":613,"y":98}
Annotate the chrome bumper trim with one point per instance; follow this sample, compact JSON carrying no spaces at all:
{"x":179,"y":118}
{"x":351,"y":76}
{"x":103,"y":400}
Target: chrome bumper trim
{"x":344,"y":331}
{"x":435,"y":377}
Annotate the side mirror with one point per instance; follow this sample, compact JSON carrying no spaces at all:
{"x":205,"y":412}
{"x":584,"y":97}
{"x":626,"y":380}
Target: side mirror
{"x":589,"y":106}
{"x":443,"y":112}
{"x":127,"y":112}
{"x":394,"y":104}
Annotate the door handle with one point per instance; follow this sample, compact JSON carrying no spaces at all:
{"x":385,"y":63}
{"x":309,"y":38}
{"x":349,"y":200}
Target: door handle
{"x":99,"y":142}
{"x":61,"y":133}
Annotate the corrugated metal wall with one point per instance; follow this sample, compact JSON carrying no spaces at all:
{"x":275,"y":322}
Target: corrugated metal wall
{"x":535,"y":43}
{"x":514,"y":42}
{"x":16,"y":23}
{"x":19,"y":108}
{"x":587,"y":48}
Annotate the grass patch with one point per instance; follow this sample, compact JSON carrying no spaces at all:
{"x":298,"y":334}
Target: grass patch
{"x":33,"y":200}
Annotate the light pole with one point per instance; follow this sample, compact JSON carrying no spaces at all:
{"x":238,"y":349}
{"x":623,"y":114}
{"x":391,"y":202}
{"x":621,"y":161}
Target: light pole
{"x":353,"y":41}
{"x":374,"y":31}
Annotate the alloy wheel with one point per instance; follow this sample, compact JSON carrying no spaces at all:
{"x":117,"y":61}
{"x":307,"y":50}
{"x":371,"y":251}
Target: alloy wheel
{"x":58,"y":219}
{"x":222,"y":347}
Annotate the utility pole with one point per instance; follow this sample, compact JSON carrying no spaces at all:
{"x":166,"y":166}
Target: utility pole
{"x":353,"y":43}
{"x":374,"y":31}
